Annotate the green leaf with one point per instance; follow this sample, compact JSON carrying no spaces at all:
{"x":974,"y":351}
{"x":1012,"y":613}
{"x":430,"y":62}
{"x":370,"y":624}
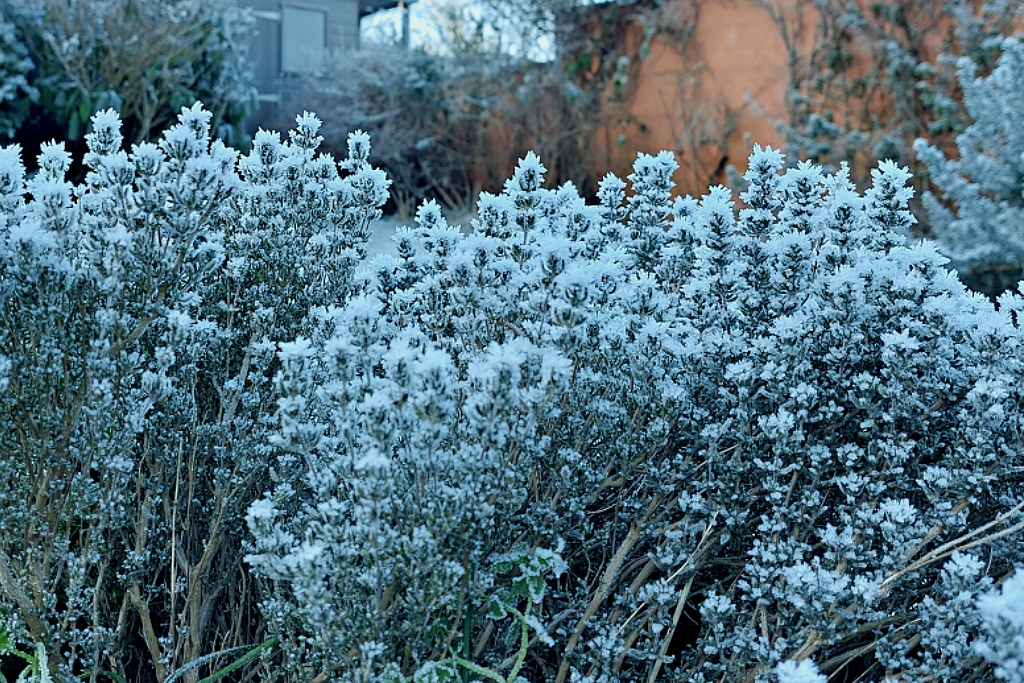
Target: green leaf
{"x":503,"y":567}
{"x":116,"y":677}
{"x":241,"y":661}
{"x":6,"y":641}
{"x":496,"y":608}
{"x":85,"y":108}
{"x":536,"y":586}
{"x":74,"y":127}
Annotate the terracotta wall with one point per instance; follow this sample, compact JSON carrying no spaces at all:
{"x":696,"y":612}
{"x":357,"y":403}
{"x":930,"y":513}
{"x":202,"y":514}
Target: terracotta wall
{"x":707,"y":79}
{"x":717,"y":77}
{"x":713,"y":84}
{"x":709,"y":83}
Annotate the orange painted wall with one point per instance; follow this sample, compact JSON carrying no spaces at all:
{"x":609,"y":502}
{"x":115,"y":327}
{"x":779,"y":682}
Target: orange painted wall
{"x":726,"y":82}
{"x":713,"y":81}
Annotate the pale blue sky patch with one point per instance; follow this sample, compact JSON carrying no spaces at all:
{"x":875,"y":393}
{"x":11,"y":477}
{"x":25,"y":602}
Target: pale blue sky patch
{"x":427,"y":21}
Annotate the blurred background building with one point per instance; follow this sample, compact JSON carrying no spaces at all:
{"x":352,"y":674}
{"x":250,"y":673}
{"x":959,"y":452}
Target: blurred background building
{"x":293,"y":40}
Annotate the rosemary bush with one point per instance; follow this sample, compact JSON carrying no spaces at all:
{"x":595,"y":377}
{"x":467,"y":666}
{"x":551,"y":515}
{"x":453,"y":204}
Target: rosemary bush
{"x":140,"y":313}
{"x":978,"y":212}
{"x":758,"y":439}
{"x":652,"y":437}
{"x":144,"y":58}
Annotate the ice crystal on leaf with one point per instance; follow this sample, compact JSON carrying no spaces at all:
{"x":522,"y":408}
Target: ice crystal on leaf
{"x":804,"y":672}
{"x":1002,"y":618}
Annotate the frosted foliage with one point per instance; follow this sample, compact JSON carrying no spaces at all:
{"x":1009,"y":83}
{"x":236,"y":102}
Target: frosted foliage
{"x":649,"y":437}
{"x":779,"y":423}
{"x":141,"y":309}
{"x":804,"y":672}
{"x":15,"y":91}
{"x":143,"y":57}
{"x":977,"y":213}
{"x":1002,"y":616}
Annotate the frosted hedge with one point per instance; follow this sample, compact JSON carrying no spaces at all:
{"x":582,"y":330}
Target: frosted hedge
{"x":140,"y":313}
{"x":649,"y":438}
{"x":977,"y":213}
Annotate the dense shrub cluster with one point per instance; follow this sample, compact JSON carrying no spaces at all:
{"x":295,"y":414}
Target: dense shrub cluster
{"x":15,"y":92}
{"x":64,"y":60}
{"x":979,"y":216}
{"x":784,"y":425}
{"x":650,"y":437}
{"x":140,"y":313}
{"x":414,"y":104}
{"x":446,"y":126}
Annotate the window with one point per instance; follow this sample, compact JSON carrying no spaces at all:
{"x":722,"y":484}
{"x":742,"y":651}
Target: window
{"x":303,"y":39}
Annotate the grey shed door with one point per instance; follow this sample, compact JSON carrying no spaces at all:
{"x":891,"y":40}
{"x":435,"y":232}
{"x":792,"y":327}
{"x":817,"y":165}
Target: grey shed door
{"x":303,"y":39}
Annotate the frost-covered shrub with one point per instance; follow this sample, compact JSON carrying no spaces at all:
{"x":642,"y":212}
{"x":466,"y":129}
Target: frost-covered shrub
{"x":544,"y":449}
{"x":15,"y":92}
{"x":880,"y":74}
{"x":140,"y":315}
{"x":1002,"y":617}
{"x":781,"y":425}
{"x":978,"y":217}
{"x":144,"y":58}
{"x":802,"y":672}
